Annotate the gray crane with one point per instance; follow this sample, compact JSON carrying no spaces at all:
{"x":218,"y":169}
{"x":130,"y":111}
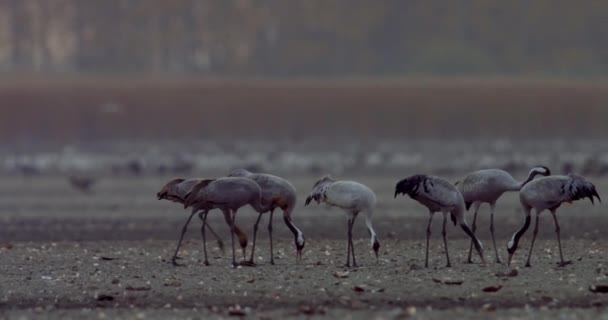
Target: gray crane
{"x":227,"y":194}
{"x":276,"y":193}
{"x":176,"y":190}
{"x":353,"y":197}
{"x":548,"y":193}
{"x":438,"y":195}
{"x":486,"y":186}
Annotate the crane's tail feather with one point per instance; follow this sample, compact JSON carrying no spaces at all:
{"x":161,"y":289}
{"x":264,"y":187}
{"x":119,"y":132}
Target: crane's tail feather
{"x":580,"y":188}
{"x":308,"y":199}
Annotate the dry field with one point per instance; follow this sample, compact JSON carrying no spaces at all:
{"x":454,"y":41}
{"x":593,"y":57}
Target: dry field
{"x":65,"y":254}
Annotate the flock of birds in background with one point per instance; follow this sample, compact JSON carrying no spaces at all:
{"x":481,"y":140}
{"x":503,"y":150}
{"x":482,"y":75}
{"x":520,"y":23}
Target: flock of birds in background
{"x":265,"y":193}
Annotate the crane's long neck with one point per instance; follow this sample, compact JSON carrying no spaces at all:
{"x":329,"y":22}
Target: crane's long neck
{"x":531,"y":176}
{"x":374,"y":238}
{"x":370,"y":229}
{"x":297,"y":234}
{"x":513,"y":243}
{"x":517,"y":235}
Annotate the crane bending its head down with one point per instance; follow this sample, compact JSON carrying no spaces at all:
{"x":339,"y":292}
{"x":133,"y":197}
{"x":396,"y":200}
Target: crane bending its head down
{"x":276,"y":193}
{"x":487,"y":186}
{"x":353,"y":197}
{"x":548,"y":193}
{"x":438,"y":195}
{"x":228,"y":194}
{"x":176,"y":190}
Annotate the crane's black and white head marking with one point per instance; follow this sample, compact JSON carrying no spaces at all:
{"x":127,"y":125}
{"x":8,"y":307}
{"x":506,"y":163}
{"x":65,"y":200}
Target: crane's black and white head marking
{"x":542,"y":170}
{"x":300,"y":242}
{"x":411,"y":185}
{"x":376,"y":246}
{"x":514,"y":242}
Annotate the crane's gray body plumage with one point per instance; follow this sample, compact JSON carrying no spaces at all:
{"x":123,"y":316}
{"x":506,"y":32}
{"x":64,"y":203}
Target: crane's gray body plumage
{"x":548,"y":193}
{"x":354,"y":198}
{"x":348,"y":195}
{"x":438,"y":195}
{"x":435,"y":193}
{"x":486,"y":186}
{"x":276,"y":193}
{"x":489,"y":184}
{"x":176,"y":190}
{"x":227,"y":194}
{"x":230,"y":193}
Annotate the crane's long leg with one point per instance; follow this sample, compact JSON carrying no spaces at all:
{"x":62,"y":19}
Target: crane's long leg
{"x":492,"y":206}
{"x":469,"y":259}
{"x":220,"y":243}
{"x":255,"y":234}
{"x":428,"y":235}
{"x":242,"y":236}
{"x":445,"y":240}
{"x":181,"y":237}
{"x":232,"y":218}
{"x":270,"y":235}
{"x":352,"y":245}
{"x":533,"y":238}
{"x":203,"y":216}
{"x":348,"y":243}
{"x":559,"y":242}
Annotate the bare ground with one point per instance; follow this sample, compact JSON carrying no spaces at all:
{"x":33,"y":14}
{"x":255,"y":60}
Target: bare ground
{"x":66,"y":255}
{"x":127,"y":279}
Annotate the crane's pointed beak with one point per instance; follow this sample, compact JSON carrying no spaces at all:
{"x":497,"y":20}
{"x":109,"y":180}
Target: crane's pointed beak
{"x":509,"y":261}
{"x":298,"y":256}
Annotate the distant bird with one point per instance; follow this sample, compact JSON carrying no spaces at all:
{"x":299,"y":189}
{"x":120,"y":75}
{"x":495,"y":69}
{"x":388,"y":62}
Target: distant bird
{"x":177,"y":189}
{"x":135,"y":167}
{"x":438,"y":195}
{"x":276,"y":193}
{"x":28,"y":169}
{"x":486,"y":186}
{"x":548,"y":193}
{"x":227,"y":194}
{"x":353,"y":197}
{"x":82,"y":183}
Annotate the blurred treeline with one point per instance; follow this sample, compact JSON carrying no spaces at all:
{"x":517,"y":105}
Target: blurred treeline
{"x":306,"y":38}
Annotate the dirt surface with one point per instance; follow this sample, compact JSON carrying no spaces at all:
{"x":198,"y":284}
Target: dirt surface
{"x":106,"y":255}
{"x":134,"y":279}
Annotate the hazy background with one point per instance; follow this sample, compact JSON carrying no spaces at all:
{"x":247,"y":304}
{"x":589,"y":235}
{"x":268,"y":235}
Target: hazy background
{"x":88,"y":71}
{"x":194,"y":87}
{"x":306,"y":38}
